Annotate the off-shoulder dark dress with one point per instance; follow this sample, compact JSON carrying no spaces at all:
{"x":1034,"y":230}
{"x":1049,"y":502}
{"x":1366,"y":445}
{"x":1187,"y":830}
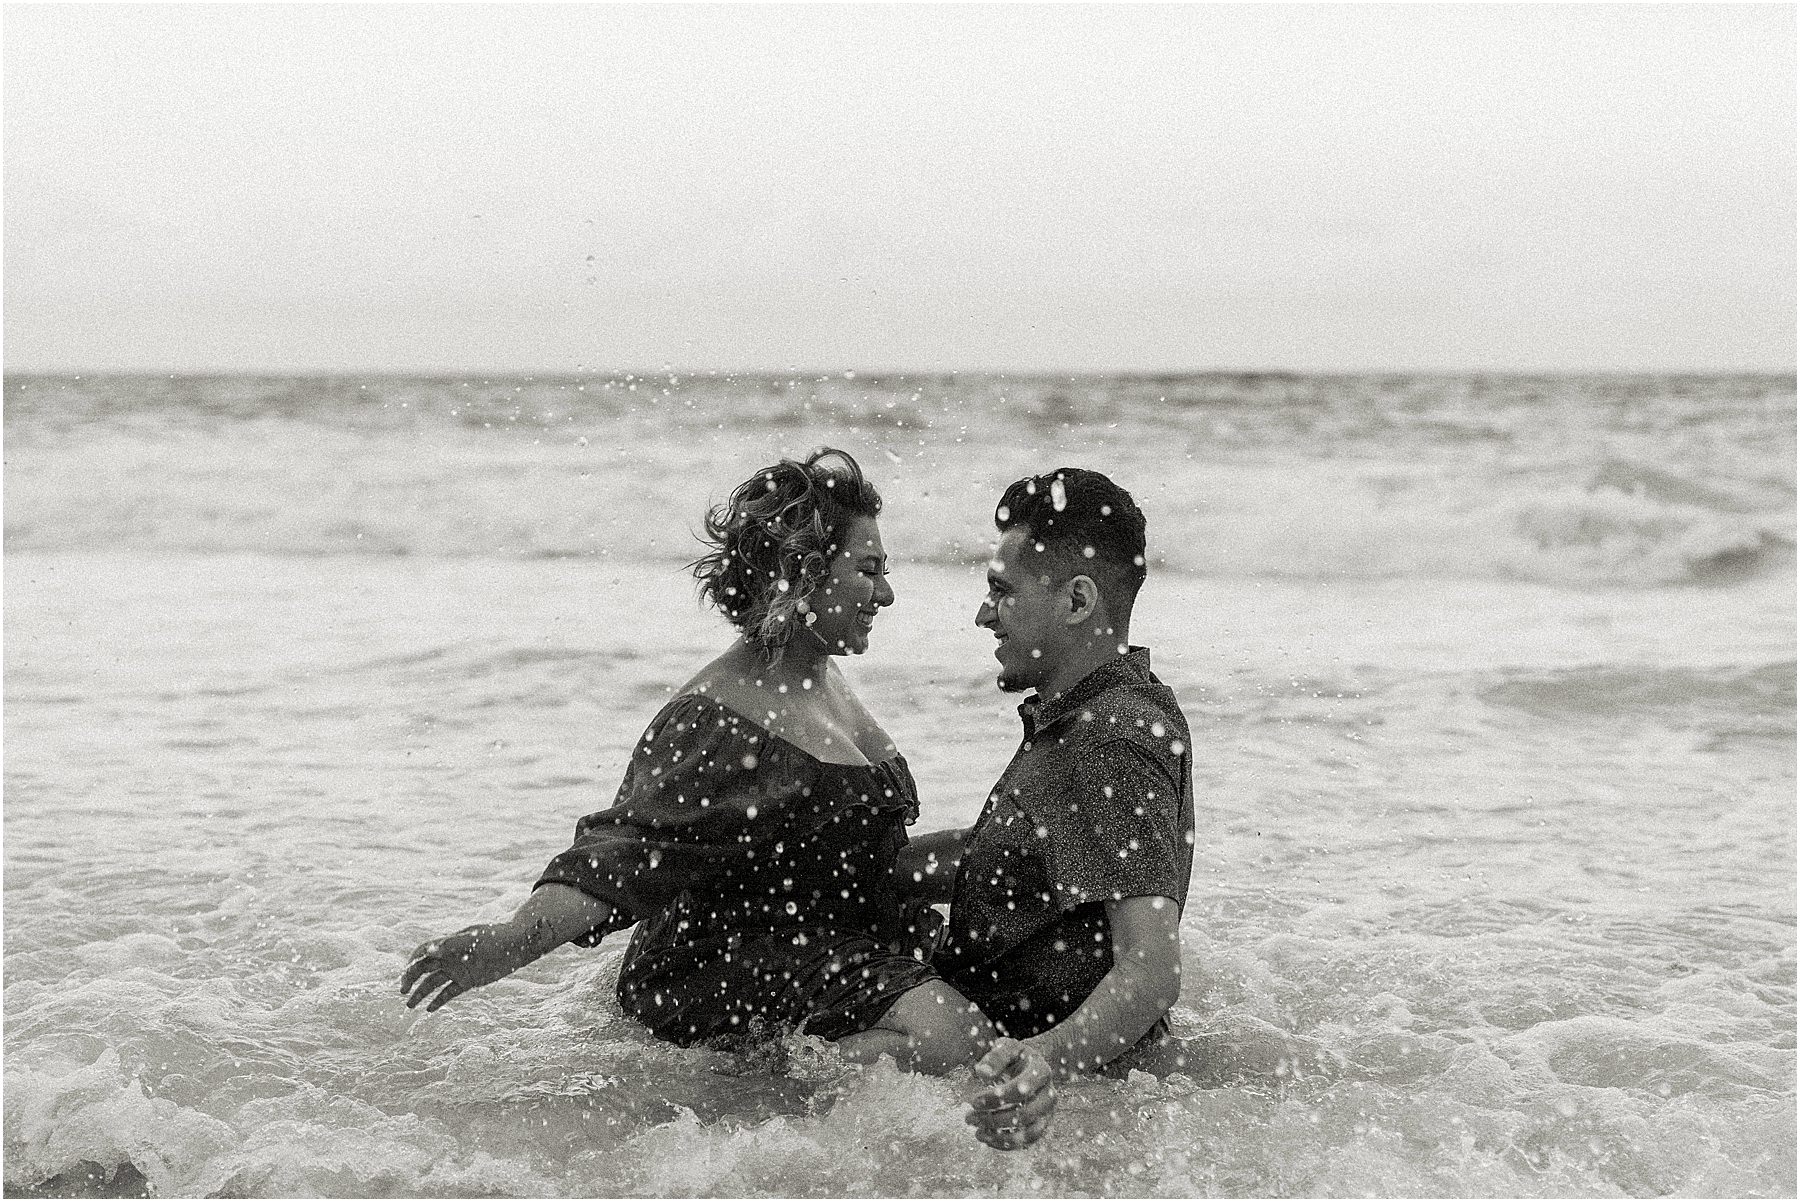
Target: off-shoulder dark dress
{"x":760,"y":880}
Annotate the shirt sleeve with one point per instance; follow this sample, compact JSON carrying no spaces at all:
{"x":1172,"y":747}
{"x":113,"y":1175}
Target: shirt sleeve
{"x":686,"y":814}
{"x":1112,"y":830}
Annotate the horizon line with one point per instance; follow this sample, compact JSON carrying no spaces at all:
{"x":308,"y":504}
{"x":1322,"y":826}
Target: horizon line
{"x":850,"y":374}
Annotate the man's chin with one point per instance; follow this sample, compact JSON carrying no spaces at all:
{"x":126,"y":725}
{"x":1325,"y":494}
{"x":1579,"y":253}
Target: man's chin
{"x":1010,"y":684}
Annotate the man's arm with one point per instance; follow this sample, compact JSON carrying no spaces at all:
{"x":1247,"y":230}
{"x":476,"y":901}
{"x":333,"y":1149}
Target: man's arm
{"x":1144,"y":981}
{"x":926,"y":867}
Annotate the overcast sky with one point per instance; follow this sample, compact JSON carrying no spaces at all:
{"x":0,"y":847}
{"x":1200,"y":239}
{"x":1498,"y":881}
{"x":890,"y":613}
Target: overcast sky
{"x":549,"y":188}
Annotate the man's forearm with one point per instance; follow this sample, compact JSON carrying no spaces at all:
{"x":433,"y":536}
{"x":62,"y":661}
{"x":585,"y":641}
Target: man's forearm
{"x":926,"y":867}
{"x":1126,"y":1003}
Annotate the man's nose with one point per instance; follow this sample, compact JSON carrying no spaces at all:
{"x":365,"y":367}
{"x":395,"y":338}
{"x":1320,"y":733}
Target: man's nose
{"x":984,"y":616}
{"x":884,"y":592}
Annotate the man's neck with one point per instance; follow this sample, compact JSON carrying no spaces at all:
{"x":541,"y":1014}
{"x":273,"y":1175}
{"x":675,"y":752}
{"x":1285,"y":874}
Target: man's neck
{"x":1082,"y":661}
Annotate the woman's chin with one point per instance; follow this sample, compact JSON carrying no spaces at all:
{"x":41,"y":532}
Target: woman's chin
{"x":851,"y":641}
{"x":837,"y":646}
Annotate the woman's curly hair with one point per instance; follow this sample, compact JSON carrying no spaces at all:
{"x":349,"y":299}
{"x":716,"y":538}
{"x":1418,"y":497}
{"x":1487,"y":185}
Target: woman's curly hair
{"x":772,"y":541}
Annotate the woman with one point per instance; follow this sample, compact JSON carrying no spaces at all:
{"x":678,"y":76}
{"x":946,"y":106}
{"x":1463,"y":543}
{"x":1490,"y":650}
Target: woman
{"x":754,"y":835}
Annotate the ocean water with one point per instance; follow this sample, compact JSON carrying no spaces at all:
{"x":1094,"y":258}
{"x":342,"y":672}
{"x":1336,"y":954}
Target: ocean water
{"x":1491,"y":682}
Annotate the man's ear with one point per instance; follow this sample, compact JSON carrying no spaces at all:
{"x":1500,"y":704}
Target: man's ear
{"x":1084,"y":600}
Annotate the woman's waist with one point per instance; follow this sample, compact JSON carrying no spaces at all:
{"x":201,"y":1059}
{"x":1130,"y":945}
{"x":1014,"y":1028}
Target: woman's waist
{"x":690,"y":918}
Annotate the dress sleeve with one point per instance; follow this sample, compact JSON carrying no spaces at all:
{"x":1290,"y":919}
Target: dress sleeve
{"x":687,"y":812}
{"x":1113,"y":831}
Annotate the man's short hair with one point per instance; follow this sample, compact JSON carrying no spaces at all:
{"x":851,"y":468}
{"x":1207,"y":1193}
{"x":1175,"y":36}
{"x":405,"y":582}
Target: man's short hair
{"x":1088,"y":524}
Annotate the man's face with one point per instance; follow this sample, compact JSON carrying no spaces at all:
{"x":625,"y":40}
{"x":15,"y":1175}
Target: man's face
{"x":1027,"y":611}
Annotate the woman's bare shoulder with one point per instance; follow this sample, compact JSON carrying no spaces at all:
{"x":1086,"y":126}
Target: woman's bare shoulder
{"x":730,"y":679}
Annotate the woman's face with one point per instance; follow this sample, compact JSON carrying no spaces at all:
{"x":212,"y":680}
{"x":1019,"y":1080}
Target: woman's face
{"x":842,"y":609}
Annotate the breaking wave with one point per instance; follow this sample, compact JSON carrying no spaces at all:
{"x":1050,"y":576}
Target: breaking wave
{"x":1569,"y":481}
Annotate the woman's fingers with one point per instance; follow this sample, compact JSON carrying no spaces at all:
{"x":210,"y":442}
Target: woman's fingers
{"x":424,"y":960}
{"x":449,"y":967}
{"x":999,"y":1058}
{"x":1011,"y":1138}
{"x":434,"y":989}
{"x":451,"y":990}
{"x":425,"y":986}
{"x":1014,"y":1111}
{"x":1040,"y":1105}
{"x":1019,"y":1074}
{"x":1037,"y":1109}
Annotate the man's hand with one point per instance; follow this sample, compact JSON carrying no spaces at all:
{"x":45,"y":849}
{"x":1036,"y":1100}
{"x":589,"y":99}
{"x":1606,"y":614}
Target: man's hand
{"x":925,"y":869}
{"x":1015,"y":1110}
{"x":442,"y":969}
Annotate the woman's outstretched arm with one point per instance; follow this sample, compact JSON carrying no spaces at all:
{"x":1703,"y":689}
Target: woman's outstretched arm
{"x":445,"y":968}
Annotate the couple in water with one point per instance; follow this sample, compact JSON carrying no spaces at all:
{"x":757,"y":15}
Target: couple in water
{"x":758,"y":841}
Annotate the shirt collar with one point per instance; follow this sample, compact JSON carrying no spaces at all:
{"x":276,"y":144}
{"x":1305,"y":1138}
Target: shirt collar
{"x":1131,"y":668}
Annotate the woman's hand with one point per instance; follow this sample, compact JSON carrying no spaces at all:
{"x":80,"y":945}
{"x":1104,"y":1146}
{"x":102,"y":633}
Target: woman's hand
{"x":1015,"y":1110}
{"x":442,"y":969}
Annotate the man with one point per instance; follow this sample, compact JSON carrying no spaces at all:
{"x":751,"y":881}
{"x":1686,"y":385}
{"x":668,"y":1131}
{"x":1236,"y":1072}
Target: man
{"x":1066,"y":895}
